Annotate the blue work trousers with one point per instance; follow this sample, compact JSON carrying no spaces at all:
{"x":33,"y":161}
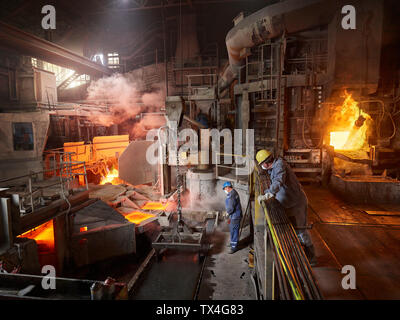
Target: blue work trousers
{"x":234,"y":230}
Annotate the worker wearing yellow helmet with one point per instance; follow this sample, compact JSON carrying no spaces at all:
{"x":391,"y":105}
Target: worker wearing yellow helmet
{"x":288,"y":191}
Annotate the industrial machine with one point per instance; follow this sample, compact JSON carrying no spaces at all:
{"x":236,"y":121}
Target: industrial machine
{"x":180,"y":235}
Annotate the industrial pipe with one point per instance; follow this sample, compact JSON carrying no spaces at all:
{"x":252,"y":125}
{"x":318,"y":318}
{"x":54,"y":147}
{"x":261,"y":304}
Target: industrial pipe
{"x":271,"y":22}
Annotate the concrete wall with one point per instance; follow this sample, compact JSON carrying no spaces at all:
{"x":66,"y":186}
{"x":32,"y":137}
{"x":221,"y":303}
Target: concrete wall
{"x":16,"y":163}
{"x":45,"y":87}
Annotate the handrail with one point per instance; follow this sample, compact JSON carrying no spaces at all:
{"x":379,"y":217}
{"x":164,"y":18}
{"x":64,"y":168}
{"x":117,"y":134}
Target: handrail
{"x":68,"y":171}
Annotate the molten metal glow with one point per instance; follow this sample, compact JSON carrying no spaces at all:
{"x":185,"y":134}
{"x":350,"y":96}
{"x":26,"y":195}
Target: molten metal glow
{"x":154,"y":206}
{"x":111,"y":177}
{"x":137,"y":217}
{"x":43,"y":235}
{"x":83,"y":229}
{"x":345,"y":133}
{"x":339,"y":138}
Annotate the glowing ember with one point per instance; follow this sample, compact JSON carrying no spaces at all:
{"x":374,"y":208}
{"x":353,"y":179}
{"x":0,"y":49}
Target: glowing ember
{"x":43,"y":235}
{"x":83,"y":229}
{"x":154,"y":206}
{"x":349,"y":126}
{"x":111,"y":177}
{"x":137,"y":217}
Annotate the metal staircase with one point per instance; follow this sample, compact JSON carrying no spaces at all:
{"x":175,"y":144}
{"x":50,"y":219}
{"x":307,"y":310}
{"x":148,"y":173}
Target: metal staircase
{"x":64,"y":84}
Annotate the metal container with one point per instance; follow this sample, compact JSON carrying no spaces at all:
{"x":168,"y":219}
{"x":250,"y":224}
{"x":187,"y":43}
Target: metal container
{"x":201,"y":184}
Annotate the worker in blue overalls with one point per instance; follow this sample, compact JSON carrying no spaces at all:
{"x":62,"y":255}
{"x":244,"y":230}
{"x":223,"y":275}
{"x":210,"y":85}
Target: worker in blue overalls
{"x":234,"y":212}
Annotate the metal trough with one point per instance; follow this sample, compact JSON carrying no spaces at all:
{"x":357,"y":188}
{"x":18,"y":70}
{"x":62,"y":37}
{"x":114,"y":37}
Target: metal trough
{"x":186,"y":241}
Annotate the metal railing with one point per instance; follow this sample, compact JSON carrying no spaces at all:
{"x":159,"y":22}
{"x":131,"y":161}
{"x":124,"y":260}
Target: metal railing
{"x":27,"y":196}
{"x":76,"y":107}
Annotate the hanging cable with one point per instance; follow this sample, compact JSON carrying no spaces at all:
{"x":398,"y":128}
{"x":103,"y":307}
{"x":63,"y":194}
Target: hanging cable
{"x":379,"y":122}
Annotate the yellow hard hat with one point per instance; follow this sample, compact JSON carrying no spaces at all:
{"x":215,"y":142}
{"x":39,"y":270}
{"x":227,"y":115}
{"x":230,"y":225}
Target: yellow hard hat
{"x":262,"y":155}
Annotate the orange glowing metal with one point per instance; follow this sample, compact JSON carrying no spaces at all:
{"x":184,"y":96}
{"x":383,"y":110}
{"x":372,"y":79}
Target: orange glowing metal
{"x":137,"y":217}
{"x":111,"y":177}
{"x":83,"y":229}
{"x":154,"y":206}
{"x":43,"y":235}
{"x":345,"y":134}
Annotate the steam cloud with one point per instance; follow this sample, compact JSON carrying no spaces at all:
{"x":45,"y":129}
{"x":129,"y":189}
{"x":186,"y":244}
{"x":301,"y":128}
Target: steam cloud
{"x":127,"y":99}
{"x":214,"y":203}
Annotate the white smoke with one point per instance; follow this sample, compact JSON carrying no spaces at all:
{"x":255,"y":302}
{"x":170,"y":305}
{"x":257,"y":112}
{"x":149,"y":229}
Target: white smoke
{"x":126,"y":97}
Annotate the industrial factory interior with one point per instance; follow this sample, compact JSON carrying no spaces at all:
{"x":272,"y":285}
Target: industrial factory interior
{"x":200,"y":150}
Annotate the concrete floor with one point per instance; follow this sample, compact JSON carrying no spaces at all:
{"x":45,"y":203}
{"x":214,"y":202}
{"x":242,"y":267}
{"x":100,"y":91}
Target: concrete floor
{"x":227,"y":276}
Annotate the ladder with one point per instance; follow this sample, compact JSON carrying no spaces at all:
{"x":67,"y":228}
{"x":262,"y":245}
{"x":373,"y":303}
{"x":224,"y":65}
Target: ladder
{"x":273,"y":90}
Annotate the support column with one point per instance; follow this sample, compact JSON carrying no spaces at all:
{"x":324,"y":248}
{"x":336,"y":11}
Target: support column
{"x":245,"y":116}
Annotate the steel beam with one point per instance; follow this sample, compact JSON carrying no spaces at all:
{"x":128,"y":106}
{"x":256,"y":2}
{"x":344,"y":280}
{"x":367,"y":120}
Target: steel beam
{"x":166,"y":5}
{"x":30,"y":45}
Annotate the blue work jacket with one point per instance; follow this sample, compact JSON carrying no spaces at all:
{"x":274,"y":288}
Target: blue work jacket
{"x":284,"y":184}
{"x":232,"y":205}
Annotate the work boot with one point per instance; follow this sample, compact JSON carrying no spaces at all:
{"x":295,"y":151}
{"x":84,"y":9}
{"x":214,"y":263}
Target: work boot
{"x":233,"y":250}
{"x":310,"y":253}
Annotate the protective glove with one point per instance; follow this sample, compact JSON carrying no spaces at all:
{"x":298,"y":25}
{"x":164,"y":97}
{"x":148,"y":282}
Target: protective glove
{"x":225,"y":215}
{"x":264,"y":197}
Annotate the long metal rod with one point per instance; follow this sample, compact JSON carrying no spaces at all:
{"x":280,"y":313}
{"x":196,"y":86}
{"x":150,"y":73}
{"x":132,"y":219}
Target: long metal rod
{"x":144,"y":264}
{"x":296,"y":255}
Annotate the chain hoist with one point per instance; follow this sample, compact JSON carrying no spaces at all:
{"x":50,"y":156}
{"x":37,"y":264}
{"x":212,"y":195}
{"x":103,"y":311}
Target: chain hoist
{"x":178,"y":187}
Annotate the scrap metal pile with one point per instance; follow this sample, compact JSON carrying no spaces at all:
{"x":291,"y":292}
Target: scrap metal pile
{"x":138,"y":204}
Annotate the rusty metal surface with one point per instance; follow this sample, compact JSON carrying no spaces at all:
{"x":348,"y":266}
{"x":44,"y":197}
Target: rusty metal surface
{"x":330,"y":209}
{"x":348,"y":65}
{"x":383,"y":213}
{"x":373,"y":251}
{"x":344,"y":234}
